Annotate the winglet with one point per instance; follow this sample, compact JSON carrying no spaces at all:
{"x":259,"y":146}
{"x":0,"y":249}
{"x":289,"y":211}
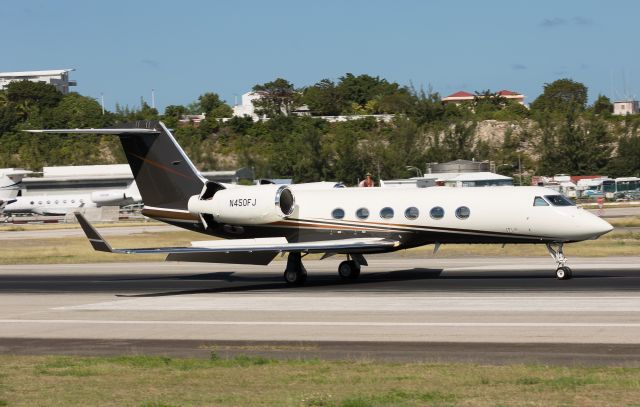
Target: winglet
{"x":96,"y":240}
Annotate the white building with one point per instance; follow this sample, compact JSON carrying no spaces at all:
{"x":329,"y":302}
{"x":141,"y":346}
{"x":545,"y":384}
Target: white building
{"x":78,"y":179}
{"x":246,"y":108}
{"x":625,"y":107}
{"x":56,"y":77}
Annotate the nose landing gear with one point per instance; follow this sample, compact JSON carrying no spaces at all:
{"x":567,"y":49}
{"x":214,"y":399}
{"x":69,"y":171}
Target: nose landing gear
{"x":562,"y":271}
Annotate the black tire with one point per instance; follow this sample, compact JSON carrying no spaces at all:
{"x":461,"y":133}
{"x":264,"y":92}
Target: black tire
{"x":563,"y":273}
{"x":356,"y":269}
{"x":569,"y":273}
{"x":295,"y":277}
{"x":349,"y":269}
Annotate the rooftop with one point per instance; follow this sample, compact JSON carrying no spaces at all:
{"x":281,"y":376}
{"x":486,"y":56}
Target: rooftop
{"x":36,"y":73}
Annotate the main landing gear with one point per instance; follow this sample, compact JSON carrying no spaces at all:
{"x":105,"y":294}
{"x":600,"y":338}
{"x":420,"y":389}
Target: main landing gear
{"x":350,"y":268}
{"x":562,"y":271}
{"x":296,"y":274}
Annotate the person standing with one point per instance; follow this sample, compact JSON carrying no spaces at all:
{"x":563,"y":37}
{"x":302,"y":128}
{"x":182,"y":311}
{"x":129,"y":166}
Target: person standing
{"x":367,"y":182}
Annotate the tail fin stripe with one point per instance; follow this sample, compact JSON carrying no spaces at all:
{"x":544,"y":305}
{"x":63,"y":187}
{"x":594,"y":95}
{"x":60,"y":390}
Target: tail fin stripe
{"x":158,"y":165}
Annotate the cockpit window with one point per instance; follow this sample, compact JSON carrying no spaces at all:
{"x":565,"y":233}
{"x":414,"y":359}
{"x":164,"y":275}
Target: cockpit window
{"x":539,"y":201}
{"x":559,"y":200}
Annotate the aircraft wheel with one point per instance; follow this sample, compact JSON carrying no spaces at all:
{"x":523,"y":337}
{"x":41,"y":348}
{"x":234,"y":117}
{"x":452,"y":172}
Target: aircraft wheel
{"x":563,"y":273}
{"x":349,"y":269}
{"x":295,"y":277}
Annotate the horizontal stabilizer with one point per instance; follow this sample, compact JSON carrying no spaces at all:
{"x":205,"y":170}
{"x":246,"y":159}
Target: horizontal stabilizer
{"x":96,"y":131}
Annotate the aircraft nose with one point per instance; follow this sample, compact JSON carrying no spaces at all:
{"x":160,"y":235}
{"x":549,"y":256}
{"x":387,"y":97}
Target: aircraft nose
{"x":599,"y":227}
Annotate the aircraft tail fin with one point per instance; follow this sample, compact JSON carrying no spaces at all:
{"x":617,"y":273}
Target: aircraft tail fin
{"x":165,"y":176}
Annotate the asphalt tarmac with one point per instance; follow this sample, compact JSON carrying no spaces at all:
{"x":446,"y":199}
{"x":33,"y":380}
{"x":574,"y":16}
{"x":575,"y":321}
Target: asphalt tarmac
{"x":486,"y":310}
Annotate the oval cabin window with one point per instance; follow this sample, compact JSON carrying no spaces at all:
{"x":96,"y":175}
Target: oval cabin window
{"x":386,"y":213}
{"x":362,"y":213}
{"x":437,"y":212}
{"x":338,"y":213}
{"x":463,"y":212}
{"x":412,"y":213}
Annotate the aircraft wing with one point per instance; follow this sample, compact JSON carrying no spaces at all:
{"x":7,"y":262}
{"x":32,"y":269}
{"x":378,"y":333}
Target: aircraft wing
{"x":246,"y":251}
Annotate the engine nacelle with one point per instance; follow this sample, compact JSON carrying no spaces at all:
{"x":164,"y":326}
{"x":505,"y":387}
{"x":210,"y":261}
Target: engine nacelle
{"x":247,"y":205}
{"x":109,"y":197}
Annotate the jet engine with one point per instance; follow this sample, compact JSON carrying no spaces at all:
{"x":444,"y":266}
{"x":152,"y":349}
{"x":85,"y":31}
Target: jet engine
{"x":247,"y":205}
{"x":109,"y":197}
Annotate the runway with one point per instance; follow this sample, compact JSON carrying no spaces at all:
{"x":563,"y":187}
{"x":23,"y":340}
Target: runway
{"x":480,"y":306}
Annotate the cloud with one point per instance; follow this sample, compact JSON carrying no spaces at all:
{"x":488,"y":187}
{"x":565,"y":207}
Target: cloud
{"x":553,"y":22}
{"x":456,"y":86}
{"x":559,"y":21}
{"x":518,"y":67}
{"x":150,"y":63}
{"x":582,"y":21}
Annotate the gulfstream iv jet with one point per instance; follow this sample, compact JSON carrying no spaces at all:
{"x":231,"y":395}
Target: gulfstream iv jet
{"x":261,"y":221}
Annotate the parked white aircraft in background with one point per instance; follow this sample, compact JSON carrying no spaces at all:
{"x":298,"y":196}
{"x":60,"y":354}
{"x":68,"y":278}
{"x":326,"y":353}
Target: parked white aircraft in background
{"x":61,"y":204}
{"x":261,"y":221}
{"x":10,"y":179}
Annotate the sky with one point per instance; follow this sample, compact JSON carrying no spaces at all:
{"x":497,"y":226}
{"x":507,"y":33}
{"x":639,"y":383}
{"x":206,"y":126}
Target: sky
{"x":181,"y":49}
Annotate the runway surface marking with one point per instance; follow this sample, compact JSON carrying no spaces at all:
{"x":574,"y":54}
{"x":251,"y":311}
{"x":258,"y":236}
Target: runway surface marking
{"x":328,"y":323}
{"x":370,"y":303}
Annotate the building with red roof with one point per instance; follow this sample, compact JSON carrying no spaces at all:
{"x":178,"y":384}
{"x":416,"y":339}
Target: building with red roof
{"x":462,"y":97}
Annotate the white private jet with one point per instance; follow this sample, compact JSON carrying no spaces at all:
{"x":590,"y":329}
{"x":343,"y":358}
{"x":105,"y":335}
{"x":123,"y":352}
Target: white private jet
{"x":61,"y":204}
{"x":261,"y":221}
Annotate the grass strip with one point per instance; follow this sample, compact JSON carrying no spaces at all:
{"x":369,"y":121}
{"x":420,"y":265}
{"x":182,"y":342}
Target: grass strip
{"x":259,"y":381}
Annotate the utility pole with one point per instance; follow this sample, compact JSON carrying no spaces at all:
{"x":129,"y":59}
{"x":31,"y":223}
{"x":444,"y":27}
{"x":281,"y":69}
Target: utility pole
{"x":520,"y":169}
{"x":102,"y":102}
{"x":153,"y":98}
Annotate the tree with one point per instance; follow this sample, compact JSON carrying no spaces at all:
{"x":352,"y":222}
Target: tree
{"x":364,"y":88}
{"x":399,"y":102}
{"x":40,"y":94}
{"x":323,"y":98}
{"x":561,"y":96}
{"x":146,"y":112}
{"x":212,"y":105}
{"x":627,"y":160}
{"x":427,"y":106}
{"x":603,"y":106}
{"x":175,"y":111}
{"x":550,"y":161}
{"x":487,"y":102}
{"x":459,"y":141}
{"x":77,"y":111}
{"x":277,"y":98}
{"x":573,"y":147}
{"x":209,"y":101}
{"x":172,"y":114}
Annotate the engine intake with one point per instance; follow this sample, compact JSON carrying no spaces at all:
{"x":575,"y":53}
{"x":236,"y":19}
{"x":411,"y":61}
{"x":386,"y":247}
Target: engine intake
{"x":247,"y":205}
